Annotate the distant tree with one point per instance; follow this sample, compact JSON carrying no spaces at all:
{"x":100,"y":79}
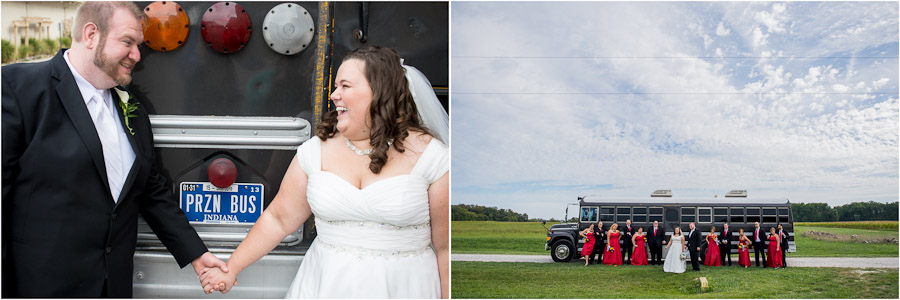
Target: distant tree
{"x":867,"y":211}
{"x":813,"y":212}
{"x":467,"y":212}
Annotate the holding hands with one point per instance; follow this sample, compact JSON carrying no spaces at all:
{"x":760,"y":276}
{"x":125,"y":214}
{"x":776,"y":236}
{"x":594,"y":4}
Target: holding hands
{"x":214,"y":279}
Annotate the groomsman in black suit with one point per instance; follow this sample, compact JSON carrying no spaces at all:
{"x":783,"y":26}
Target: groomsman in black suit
{"x":758,"y":238}
{"x":656,"y":236}
{"x":627,"y":245}
{"x":725,"y":244}
{"x":693,"y":244}
{"x":599,"y":244}
{"x":784,"y":245}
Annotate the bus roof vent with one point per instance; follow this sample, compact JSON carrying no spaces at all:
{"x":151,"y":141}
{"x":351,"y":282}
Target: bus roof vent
{"x":737,"y":193}
{"x":661,"y":193}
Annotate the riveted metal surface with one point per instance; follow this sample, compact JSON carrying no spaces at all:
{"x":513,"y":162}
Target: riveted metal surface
{"x":166,"y":27}
{"x":226,"y":27}
{"x":288,"y":28}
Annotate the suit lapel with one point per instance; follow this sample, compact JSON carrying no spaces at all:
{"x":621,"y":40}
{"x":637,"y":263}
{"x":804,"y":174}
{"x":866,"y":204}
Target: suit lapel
{"x":71,"y":99}
{"x":129,"y":180}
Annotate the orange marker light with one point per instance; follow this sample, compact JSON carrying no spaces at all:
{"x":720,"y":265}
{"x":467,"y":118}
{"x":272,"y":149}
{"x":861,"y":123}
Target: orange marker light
{"x":166,"y":27}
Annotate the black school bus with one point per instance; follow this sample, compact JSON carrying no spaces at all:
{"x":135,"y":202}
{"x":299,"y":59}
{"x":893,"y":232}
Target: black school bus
{"x":738,"y":211}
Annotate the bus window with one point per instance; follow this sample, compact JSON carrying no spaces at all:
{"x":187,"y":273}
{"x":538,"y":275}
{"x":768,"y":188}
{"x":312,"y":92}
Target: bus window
{"x":705,"y":215}
{"x":769,"y":215}
{"x":783,"y":215}
{"x":688,"y":214}
{"x":737,"y":215}
{"x":672,"y":216}
{"x":720,"y":215}
{"x":623,"y":214}
{"x":589,"y":214}
{"x":639,"y":214}
{"x":753,"y":214}
{"x":606,"y":214}
{"x":656,"y":214}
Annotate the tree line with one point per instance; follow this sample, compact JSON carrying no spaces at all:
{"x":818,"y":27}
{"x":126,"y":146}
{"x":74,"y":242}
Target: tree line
{"x":856,"y":211}
{"x":467,"y":212}
{"x":803,"y":212}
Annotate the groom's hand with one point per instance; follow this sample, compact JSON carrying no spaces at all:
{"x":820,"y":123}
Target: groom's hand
{"x":208,"y":261}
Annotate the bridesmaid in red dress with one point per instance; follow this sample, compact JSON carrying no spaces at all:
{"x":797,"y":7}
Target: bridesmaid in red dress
{"x":588,"y":235}
{"x":713,"y":257}
{"x":639,"y":255}
{"x":743,"y":250}
{"x":773,"y":260}
{"x":613,"y":255}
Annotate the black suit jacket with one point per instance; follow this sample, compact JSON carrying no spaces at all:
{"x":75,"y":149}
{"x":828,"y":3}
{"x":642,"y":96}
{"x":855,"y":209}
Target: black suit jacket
{"x":723,"y":237}
{"x":693,"y":240}
{"x":627,"y":235}
{"x":784,"y":240}
{"x":63,"y":234}
{"x":656,"y":239}
{"x":762,"y":235}
{"x":600,"y":235}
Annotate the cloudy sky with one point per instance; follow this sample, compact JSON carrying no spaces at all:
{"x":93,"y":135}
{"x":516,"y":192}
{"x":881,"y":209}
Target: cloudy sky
{"x":556,"y":100}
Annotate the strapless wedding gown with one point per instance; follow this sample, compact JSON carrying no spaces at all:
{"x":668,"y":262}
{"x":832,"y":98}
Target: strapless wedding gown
{"x":373,"y":242}
{"x":673,"y":263}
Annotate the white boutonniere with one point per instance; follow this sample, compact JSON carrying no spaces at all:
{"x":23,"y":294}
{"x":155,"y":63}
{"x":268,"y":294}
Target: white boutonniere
{"x":128,"y":108}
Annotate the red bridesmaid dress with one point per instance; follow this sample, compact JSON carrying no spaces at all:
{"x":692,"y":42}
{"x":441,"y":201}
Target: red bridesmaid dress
{"x":713,"y":257}
{"x":639,"y":256}
{"x":589,"y":245}
{"x":744,"y":254}
{"x":613,"y":257}
{"x":773,"y":260}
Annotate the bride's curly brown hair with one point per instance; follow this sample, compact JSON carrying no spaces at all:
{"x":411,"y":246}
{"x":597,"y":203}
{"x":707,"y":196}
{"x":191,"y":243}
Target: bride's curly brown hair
{"x":393,"y":111}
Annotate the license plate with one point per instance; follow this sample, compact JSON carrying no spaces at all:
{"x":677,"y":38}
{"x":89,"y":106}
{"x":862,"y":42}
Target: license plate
{"x":239,"y":203}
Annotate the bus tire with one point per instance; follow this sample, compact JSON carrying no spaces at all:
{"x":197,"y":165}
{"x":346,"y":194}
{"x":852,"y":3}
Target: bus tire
{"x":562,"y":251}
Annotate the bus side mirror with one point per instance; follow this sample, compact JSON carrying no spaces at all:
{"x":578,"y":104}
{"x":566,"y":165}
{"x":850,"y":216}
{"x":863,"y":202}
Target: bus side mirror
{"x":543,"y":222}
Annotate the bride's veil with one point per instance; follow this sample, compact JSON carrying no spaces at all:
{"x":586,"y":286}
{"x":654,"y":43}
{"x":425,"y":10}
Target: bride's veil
{"x":433,"y":115}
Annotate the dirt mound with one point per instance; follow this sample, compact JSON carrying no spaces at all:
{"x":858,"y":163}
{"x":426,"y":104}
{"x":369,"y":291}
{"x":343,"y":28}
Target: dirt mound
{"x":854,"y":238}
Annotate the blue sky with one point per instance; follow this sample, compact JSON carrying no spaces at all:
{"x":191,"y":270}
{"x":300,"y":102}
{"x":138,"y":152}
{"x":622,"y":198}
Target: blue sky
{"x":551,"y":101}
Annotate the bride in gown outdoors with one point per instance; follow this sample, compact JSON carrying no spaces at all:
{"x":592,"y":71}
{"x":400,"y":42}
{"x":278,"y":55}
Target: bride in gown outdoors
{"x":673,"y":263}
{"x":376,"y":180}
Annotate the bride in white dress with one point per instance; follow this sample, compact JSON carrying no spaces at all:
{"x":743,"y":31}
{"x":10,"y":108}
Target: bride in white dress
{"x":377,"y":184}
{"x":673,"y":263}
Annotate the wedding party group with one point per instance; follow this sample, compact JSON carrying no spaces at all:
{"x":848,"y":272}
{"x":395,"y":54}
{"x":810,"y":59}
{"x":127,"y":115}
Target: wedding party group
{"x":634,"y":246}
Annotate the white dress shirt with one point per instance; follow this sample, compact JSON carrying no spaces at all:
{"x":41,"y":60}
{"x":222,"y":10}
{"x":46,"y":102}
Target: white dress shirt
{"x":124,"y":147}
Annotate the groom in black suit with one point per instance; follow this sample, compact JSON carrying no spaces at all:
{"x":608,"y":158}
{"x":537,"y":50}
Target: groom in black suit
{"x":77,"y":170}
{"x":693,"y":244}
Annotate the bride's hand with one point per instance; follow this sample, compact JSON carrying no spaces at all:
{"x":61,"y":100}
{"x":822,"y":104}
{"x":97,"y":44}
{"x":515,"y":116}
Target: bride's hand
{"x":213,"y":279}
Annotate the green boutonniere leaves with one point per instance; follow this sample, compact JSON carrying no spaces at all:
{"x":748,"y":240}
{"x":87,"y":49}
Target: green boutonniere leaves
{"x":128,"y":108}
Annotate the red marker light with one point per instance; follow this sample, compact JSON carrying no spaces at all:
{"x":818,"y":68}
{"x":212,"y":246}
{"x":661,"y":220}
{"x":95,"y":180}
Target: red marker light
{"x":222,"y":172}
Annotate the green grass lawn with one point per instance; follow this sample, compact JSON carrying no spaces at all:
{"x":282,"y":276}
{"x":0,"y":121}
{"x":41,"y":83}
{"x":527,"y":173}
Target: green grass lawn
{"x":485,"y":237}
{"x":574,"y":280}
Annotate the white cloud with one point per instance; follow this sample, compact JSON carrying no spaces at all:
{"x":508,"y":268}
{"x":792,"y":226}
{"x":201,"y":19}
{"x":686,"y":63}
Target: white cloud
{"x":759,"y":38}
{"x":840,"y":88}
{"x":721,"y":30}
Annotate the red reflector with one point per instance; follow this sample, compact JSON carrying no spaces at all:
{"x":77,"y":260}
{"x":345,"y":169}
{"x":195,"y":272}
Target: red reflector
{"x":222,"y":172}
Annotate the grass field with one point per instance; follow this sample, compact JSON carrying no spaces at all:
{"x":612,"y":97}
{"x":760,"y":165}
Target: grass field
{"x":529,"y":237}
{"x":574,"y":280}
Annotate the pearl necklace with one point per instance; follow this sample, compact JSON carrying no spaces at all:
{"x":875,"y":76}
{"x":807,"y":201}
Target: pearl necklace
{"x":362,"y":152}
